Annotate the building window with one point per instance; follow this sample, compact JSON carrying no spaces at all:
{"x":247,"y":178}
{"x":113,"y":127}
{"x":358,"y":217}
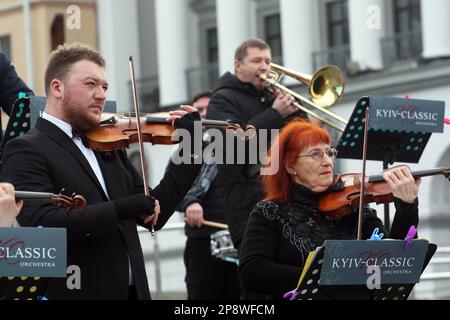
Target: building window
{"x":272,"y":35}
{"x":212,"y":47}
{"x":5,"y":45}
{"x":337,"y":19}
{"x":57,"y":31}
{"x":407,"y":15}
{"x":406,"y":42}
{"x":337,"y":50}
{"x":205,"y":76}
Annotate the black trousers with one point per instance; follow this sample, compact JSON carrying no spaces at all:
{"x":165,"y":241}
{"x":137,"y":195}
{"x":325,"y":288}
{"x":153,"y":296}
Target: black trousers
{"x":207,"y":277}
{"x":132,"y":293}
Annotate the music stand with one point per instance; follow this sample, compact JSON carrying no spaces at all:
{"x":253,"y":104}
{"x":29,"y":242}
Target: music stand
{"x":388,"y":146}
{"x":310,"y":288}
{"x":18,"y":124}
{"x":22,"y":288}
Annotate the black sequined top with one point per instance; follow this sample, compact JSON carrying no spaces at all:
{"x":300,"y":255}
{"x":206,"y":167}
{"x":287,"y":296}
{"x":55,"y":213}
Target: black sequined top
{"x":279,"y":237}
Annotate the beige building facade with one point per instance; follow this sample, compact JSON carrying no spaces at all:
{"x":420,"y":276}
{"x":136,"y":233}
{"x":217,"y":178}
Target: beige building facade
{"x":51,"y":23}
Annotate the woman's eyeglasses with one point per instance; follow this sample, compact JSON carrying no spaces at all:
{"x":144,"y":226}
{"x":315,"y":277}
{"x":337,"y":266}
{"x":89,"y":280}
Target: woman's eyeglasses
{"x":318,"y":154}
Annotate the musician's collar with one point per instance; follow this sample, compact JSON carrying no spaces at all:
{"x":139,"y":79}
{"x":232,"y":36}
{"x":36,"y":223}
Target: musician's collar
{"x":64,"y":126}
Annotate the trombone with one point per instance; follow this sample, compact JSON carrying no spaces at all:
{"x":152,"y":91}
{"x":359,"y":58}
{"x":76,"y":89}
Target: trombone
{"x":326,"y":87}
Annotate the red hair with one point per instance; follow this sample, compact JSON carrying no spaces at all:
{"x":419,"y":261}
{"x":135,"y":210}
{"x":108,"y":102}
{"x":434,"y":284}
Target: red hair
{"x":295,"y":137}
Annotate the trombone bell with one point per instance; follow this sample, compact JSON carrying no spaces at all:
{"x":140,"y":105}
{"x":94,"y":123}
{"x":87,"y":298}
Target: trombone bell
{"x":325,"y":87}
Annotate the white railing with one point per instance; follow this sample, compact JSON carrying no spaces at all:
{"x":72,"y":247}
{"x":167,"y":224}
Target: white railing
{"x":438,"y":260}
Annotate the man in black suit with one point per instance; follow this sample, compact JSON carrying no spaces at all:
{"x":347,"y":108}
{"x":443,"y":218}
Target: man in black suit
{"x":10,"y":86}
{"x":102,"y":238}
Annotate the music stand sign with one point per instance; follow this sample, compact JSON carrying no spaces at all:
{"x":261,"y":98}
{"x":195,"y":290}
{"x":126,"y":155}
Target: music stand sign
{"x":33,"y":252}
{"x":406,"y":115}
{"x":345,"y":262}
{"x":399,"y":129}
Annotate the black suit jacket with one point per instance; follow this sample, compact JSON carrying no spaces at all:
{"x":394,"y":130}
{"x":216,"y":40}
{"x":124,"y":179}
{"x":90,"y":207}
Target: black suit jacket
{"x":47,"y":160}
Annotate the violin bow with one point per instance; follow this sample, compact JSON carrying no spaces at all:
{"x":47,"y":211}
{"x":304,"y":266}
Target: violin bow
{"x":139,"y":129}
{"x":363,"y":175}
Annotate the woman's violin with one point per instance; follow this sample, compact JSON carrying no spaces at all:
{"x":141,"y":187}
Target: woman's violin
{"x":75,"y":202}
{"x":339,"y":203}
{"x":119,"y":131}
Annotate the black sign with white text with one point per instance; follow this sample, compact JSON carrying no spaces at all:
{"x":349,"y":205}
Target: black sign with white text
{"x":406,"y":115}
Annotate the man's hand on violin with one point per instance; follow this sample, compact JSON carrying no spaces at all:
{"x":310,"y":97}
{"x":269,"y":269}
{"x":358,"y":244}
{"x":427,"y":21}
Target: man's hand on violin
{"x":184,"y":118}
{"x":402,"y":183}
{"x":194,"y":215}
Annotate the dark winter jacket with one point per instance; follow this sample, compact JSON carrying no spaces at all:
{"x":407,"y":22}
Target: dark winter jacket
{"x":206,"y":192}
{"x":241,"y":103}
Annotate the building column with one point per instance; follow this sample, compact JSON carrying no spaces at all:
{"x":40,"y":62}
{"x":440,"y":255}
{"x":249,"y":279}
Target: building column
{"x":117,"y":43}
{"x":367,"y":26}
{"x":435,"y":28}
{"x":297,"y":21}
{"x":172,"y":45}
{"x":233,"y":27}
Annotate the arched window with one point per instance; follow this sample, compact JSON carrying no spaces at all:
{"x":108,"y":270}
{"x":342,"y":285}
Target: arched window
{"x":57,"y":31}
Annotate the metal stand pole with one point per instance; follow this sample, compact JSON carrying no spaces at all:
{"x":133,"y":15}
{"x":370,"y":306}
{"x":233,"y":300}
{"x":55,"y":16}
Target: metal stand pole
{"x":388,"y":159}
{"x":387,"y":219}
{"x":157,"y":262}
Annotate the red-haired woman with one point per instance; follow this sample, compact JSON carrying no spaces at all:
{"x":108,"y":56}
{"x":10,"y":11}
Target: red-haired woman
{"x":287,"y":225}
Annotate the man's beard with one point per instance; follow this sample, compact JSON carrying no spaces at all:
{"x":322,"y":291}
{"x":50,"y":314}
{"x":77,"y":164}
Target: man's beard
{"x":77,"y":117}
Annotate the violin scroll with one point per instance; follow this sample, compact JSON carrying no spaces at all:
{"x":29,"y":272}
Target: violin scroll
{"x":74,"y":202}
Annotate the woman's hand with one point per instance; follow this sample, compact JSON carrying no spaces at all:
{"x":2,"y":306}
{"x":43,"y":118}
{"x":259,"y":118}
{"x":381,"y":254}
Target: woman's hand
{"x":9,"y":208}
{"x":402,"y":183}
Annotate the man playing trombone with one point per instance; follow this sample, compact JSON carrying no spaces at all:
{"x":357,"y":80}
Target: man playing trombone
{"x":241,"y":97}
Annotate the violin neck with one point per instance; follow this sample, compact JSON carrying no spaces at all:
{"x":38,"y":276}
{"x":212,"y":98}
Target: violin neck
{"x":29,"y":195}
{"x":205,"y":122}
{"x":417,"y":174}
{"x":215,"y":123}
{"x":155,"y":120}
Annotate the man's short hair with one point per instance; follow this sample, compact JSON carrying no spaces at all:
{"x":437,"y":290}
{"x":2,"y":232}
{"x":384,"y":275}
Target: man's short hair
{"x":202,"y":94}
{"x":241,"y":51}
{"x":66,"y":55}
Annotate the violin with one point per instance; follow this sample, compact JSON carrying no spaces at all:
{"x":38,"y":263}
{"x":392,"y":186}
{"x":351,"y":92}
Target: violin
{"x":75,"y":202}
{"x":339,"y":203}
{"x":119,"y":131}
